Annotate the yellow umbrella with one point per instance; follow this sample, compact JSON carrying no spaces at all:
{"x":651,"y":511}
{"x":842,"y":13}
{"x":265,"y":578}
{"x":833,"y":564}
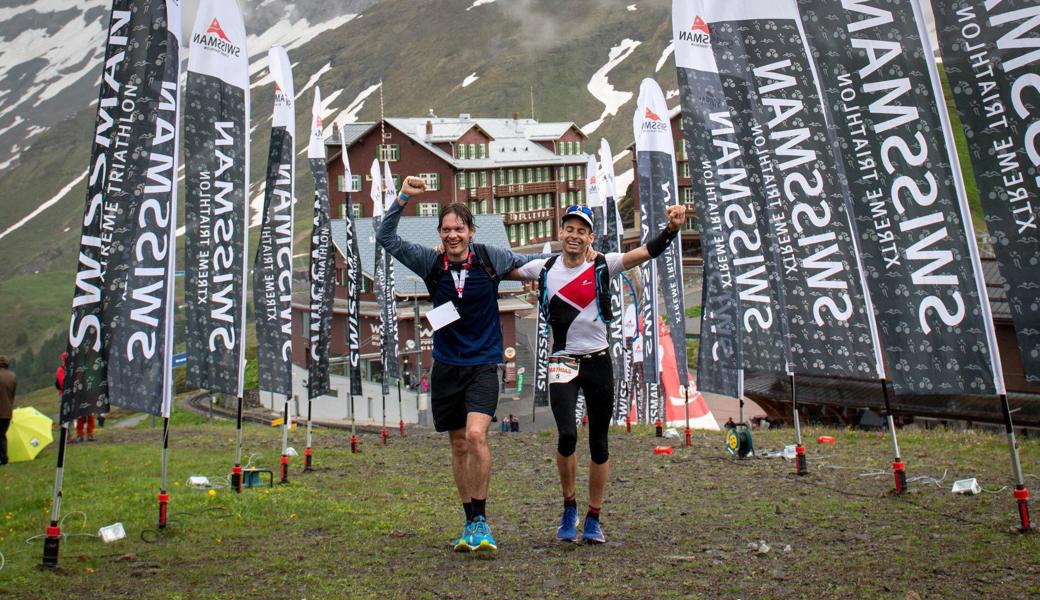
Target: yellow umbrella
{"x":29,"y":433}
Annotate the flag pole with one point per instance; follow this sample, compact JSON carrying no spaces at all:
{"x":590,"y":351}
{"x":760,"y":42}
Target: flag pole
{"x":800,"y":464}
{"x":283,"y":463}
{"x":52,"y":539}
{"x":164,"y":497}
{"x":308,"y":454}
{"x":236,"y":471}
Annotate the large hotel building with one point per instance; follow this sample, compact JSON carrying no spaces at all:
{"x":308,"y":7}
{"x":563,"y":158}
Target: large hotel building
{"x":524,"y":170}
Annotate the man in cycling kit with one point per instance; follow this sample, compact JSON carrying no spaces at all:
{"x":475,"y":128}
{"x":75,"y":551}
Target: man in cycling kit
{"x":575,"y":301}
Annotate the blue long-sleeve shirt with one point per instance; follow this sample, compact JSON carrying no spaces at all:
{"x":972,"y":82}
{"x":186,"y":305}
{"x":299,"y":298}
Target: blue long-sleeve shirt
{"x":476,"y":338}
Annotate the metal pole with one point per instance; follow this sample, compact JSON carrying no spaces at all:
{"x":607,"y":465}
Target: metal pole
{"x":236,"y":471}
{"x":284,"y":460}
{"x":52,"y":539}
{"x":400,"y":403}
{"x":898,"y":466}
{"x":418,"y":353}
{"x":1021,"y":493}
{"x":800,"y":463}
{"x":164,"y":498}
{"x":689,"y":438}
{"x":308,"y":454}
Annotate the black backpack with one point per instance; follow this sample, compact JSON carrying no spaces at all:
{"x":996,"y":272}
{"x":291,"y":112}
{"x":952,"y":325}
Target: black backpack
{"x":433,"y":279}
{"x":602,"y":289}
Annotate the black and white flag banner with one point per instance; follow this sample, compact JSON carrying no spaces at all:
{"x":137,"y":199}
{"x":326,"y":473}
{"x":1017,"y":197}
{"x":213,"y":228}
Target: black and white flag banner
{"x":990,"y":56}
{"x":272,"y":268}
{"x":541,"y":357}
{"x":610,"y":233}
{"x":655,"y":174}
{"x":123,"y":285}
{"x":216,"y":152}
{"x":138,"y":304}
{"x":353,"y":260}
{"x":392,"y":342}
{"x":378,"y":199}
{"x":322,"y":272}
{"x":763,"y":60}
{"x":917,"y":241}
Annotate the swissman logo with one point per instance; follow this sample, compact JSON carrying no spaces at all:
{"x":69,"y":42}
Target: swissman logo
{"x":698,"y":35}
{"x":653,"y":122}
{"x":218,"y":31}
{"x":216,"y":39}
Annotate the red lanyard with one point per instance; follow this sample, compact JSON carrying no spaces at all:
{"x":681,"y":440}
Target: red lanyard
{"x":460,"y":277}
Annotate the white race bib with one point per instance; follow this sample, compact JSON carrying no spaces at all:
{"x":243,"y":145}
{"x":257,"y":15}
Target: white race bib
{"x":562,"y":369}
{"x":443,"y":315}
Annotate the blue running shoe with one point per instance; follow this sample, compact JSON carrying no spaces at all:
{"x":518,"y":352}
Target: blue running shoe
{"x":480,"y":539}
{"x":592,"y":533}
{"x":462,"y":544}
{"x":568,"y":529}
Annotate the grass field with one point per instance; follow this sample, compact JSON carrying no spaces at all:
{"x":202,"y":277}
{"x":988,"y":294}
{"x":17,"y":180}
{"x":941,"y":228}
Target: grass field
{"x":377,"y":524}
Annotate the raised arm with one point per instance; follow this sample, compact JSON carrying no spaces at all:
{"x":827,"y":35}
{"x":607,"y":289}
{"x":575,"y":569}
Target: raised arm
{"x":416,"y":257}
{"x":657,"y":245}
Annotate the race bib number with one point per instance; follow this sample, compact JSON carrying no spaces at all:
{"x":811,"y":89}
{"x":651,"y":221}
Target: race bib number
{"x":562,"y":369}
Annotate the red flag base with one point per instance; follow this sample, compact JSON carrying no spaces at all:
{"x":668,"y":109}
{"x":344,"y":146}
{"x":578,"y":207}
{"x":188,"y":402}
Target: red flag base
{"x":283,"y":469}
{"x":51,"y":545}
{"x":402,"y":427}
{"x":1022,"y":496}
{"x":584,"y":421}
{"x":383,"y":435}
{"x":799,"y":460}
{"x":164,"y":500}
{"x":628,"y":426}
{"x":354,"y":448}
{"x":308,"y":458}
{"x":899,"y":470}
{"x":236,"y":478}
{"x":659,"y":428}
{"x":689,"y":437}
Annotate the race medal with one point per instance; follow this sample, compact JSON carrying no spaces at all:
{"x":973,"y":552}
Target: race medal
{"x":562,"y":369}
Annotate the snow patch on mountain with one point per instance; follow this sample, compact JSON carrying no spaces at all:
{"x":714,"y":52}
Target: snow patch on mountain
{"x":291,"y":36}
{"x":470,"y":80}
{"x":57,"y":197}
{"x":314,"y":79}
{"x":600,"y":87}
{"x":477,"y":3}
{"x":350,"y":113}
{"x":668,"y":51}
{"x":631,"y":8}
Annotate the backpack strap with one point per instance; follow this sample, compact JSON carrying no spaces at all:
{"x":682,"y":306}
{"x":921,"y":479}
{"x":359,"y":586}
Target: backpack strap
{"x":433,"y":278}
{"x":543,"y":293}
{"x":485,"y":263}
{"x":603,"y":289}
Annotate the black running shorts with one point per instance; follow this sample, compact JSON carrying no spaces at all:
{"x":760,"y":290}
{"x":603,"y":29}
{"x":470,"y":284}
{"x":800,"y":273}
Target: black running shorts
{"x":456,"y":391}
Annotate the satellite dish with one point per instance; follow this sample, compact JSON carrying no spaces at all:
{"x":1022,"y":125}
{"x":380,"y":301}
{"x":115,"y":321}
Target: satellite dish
{"x":510,"y":353}
{"x":410,"y":344}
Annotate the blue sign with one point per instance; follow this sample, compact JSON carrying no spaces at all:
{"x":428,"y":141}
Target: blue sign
{"x":180,"y":359}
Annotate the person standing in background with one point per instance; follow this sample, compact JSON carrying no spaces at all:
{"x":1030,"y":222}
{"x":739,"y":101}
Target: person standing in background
{"x":8,"y":386}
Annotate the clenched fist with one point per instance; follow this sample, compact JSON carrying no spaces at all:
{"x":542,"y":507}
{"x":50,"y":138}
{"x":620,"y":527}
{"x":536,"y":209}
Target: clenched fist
{"x":413,"y":186}
{"x":676,"y":217}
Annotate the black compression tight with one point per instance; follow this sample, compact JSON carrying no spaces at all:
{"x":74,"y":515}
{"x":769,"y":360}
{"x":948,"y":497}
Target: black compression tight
{"x":596,"y":379}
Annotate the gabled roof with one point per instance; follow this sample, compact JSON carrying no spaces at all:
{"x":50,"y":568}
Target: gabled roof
{"x":514,"y":142}
{"x":421,"y":230}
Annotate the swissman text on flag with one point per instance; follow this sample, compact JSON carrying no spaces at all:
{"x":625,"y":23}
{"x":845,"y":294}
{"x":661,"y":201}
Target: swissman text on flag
{"x":915,"y":228}
{"x":272,"y":268}
{"x":137,"y":213}
{"x":216,"y":150}
{"x":763,"y":60}
{"x":991,"y":59}
{"x":322,"y":272}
